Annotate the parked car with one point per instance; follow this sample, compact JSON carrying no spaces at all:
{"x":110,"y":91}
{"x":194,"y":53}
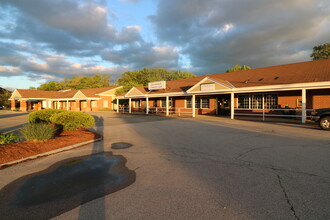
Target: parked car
{"x":1,"y":107}
{"x":322,"y":116}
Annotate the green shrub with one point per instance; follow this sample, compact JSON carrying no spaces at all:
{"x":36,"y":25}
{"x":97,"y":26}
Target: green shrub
{"x":43,"y":116}
{"x":8,"y":138}
{"x":73,"y":120}
{"x":38,"y":132}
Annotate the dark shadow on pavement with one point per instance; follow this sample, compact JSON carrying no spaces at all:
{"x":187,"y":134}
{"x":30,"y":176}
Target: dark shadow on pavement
{"x":66,"y":185}
{"x":13,"y":115}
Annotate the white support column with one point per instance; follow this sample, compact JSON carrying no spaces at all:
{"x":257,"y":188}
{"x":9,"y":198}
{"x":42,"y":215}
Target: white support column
{"x":67,"y":105}
{"x":263,"y":107}
{"x":130,"y":105}
{"x":147,"y":105}
{"x":193,"y":100}
{"x":303,"y":110}
{"x":232,"y":105}
{"x":167,"y":105}
{"x":58,"y":104}
{"x":117,"y":105}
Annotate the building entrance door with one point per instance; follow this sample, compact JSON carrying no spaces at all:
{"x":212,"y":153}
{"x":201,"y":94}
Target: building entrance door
{"x":224,"y":105}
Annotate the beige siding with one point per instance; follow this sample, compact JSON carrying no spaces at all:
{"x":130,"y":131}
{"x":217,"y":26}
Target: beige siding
{"x":79,"y":95}
{"x":134,"y":92}
{"x":15,"y":94}
{"x":217,"y":86}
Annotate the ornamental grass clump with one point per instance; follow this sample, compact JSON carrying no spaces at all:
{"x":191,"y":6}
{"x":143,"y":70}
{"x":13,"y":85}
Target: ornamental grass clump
{"x":43,"y":116}
{"x":71,"y":121}
{"x":38,"y":132}
{"x":8,"y":138}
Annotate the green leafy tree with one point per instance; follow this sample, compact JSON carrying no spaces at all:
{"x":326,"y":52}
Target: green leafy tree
{"x":4,"y":96}
{"x":321,"y":52}
{"x":238,"y":67}
{"x":51,"y":86}
{"x":178,"y":74}
{"x":142,"y":77}
{"x":78,"y":82}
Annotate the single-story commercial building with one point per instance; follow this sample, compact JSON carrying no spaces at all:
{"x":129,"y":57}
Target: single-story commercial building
{"x":291,"y":90}
{"x":74,"y":100}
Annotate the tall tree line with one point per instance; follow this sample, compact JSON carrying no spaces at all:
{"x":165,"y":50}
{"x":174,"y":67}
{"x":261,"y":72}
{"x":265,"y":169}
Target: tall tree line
{"x":127,"y":80}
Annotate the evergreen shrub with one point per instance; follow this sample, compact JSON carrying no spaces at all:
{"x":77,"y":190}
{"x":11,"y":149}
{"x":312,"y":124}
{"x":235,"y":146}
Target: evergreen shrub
{"x":43,"y":116}
{"x":71,"y":121}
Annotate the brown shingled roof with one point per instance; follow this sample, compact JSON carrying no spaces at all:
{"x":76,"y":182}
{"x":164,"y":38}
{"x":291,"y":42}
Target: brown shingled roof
{"x":29,"y":93}
{"x":305,"y":72}
{"x":41,"y":94}
{"x":94,"y":91}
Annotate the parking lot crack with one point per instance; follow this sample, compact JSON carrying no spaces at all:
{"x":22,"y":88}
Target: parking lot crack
{"x":249,"y":151}
{"x":287,"y":197}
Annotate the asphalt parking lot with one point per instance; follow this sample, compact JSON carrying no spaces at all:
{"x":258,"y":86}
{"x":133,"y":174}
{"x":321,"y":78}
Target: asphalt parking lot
{"x":204,"y":168}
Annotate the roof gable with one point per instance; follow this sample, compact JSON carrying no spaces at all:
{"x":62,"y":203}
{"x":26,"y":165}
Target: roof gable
{"x":15,"y":95}
{"x":208,"y":84}
{"x":79,"y":95}
{"x":134,"y":92}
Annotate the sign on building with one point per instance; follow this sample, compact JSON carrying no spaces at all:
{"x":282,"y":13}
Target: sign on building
{"x":157,"y":85}
{"x":207,"y":87}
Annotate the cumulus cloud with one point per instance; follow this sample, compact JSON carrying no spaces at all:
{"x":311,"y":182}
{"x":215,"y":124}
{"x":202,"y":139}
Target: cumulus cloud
{"x":52,"y":39}
{"x":137,"y":56}
{"x":216,"y":34}
{"x":43,"y":37}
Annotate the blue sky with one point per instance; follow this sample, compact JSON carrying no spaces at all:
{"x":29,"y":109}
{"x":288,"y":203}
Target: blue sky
{"x":44,"y":40}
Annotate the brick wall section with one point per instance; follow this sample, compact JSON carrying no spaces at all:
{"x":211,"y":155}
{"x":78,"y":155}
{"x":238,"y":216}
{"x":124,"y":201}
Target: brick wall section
{"x":318,"y":98}
{"x":23,"y":106}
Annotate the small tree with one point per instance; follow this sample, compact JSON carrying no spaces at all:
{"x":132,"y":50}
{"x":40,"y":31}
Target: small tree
{"x":4,"y":96}
{"x":321,"y":52}
{"x":238,"y":67}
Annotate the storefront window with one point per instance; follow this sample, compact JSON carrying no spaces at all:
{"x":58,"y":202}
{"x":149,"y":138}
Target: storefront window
{"x":255,"y":101}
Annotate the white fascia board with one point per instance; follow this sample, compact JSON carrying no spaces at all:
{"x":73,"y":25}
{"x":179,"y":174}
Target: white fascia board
{"x":212,"y":92}
{"x":135,"y":96}
{"x":296,"y":86}
{"x":73,"y":99}
{"x":105,"y":95}
{"x":168,"y":94}
{"x":120,"y":97}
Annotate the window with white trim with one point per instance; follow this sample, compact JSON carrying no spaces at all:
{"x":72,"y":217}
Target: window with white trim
{"x":188,"y":103}
{"x":105,"y":104}
{"x":94,"y":104}
{"x":164,"y":103}
{"x":254,"y":101}
{"x":271,"y":101}
{"x":200,"y":102}
{"x":205,"y":102}
{"x":137,"y":104}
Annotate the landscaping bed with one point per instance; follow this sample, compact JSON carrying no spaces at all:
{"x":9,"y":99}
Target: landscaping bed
{"x":16,"y":151}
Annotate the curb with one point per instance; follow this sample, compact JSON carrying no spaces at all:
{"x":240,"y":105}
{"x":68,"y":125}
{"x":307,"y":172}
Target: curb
{"x":4,"y":165}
